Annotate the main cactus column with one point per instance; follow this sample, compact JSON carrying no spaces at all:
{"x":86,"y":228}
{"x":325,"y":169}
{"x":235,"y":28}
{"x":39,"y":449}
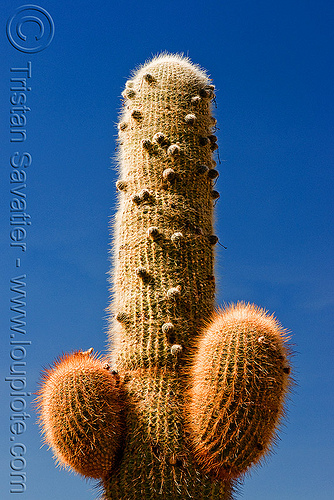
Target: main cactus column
{"x":163,"y":281}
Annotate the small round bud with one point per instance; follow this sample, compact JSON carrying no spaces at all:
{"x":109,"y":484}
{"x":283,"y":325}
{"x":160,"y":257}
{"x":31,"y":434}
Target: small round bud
{"x":153,"y":232}
{"x":136,"y":199}
{"x":128,"y":93}
{"x":176,"y":237}
{"x":146,"y":144}
{"x":214,"y":146}
{"x":141,"y":272}
{"x":207,"y":92}
{"x":202,"y":169}
{"x":149,"y":78}
{"x":204,"y":93}
{"x":168,"y":328}
{"x":129,"y":84}
{"x":213,"y":138}
{"x":215,"y":195}
{"x":176,"y":349}
{"x":173,"y":150}
{"x":136,"y":114}
{"x":213,"y":239}
{"x":122,"y":126}
{"x":174,"y":293}
{"x":196,"y":100}
{"x":203,"y":141}
{"x":213,"y":174}
{"x":159,"y":137}
{"x":121,"y":317}
{"x":121,"y":185}
{"x":144,"y":194}
{"x":169,"y":174}
{"x":190,"y":119}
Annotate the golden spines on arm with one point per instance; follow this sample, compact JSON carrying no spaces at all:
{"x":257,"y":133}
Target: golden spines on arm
{"x":80,"y":413}
{"x":239,"y":379}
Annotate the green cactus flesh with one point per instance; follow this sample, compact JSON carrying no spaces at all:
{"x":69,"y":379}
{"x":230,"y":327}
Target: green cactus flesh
{"x":172,"y":446}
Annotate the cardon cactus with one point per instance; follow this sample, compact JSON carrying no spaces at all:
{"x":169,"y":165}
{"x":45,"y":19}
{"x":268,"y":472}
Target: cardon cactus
{"x":193,"y":396}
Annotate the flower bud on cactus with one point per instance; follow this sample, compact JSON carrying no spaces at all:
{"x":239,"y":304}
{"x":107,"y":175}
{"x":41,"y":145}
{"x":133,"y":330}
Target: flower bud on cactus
{"x":238,"y":382}
{"x":80,"y":414}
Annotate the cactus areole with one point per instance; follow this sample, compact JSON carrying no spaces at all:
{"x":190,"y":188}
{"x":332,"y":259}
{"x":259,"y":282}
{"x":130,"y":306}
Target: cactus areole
{"x":183,"y":417}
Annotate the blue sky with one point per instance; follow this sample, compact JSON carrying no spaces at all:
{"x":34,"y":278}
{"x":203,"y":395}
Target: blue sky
{"x":272,"y":64}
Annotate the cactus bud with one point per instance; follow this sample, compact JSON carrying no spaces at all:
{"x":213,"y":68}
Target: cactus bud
{"x":169,"y":174}
{"x":213,"y":174}
{"x":202,"y":169}
{"x":153,"y":232}
{"x":174,"y":293}
{"x":190,"y":119}
{"x":177,"y":237}
{"x":173,"y":150}
{"x":176,"y":349}
{"x":168,"y":328}
{"x":121,"y":185}
{"x":149,"y":78}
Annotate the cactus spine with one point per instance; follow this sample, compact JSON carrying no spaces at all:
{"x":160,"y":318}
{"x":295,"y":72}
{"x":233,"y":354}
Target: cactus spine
{"x":163,"y":299}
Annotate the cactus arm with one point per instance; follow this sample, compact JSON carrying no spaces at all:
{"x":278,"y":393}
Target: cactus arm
{"x":239,"y":379}
{"x":81,"y":414}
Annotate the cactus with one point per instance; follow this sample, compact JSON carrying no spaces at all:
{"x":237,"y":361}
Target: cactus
{"x":200,"y":394}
